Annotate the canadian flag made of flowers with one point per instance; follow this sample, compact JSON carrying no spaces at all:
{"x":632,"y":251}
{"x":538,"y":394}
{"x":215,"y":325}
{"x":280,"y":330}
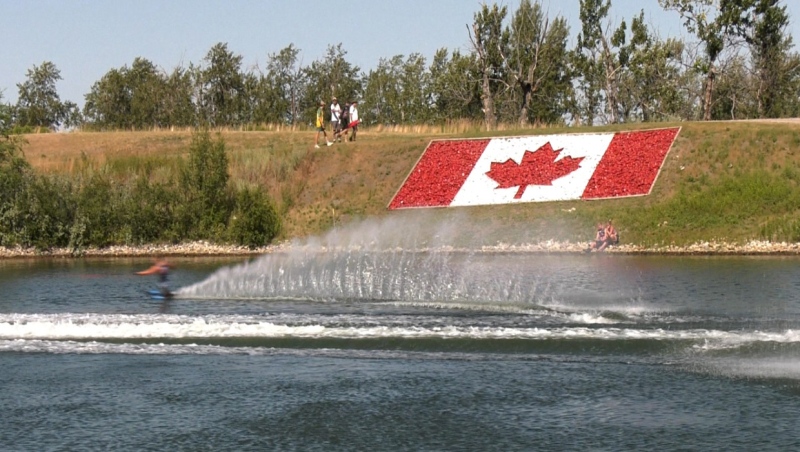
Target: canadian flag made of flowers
{"x":536,"y":168}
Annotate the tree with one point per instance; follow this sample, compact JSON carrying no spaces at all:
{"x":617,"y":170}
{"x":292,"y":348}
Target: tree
{"x":734,"y":93}
{"x":455,"y":87}
{"x":177,"y":105}
{"x":601,"y":58}
{"x":537,"y":63}
{"x":415,"y":88}
{"x":221,"y":94}
{"x":38,"y":103}
{"x":329,"y":77}
{"x":650,"y":87}
{"x":108,"y":103}
{"x":15,"y":176}
{"x":714,"y":26}
{"x":138,"y":97}
{"x":398,"y":91}
{"x":287,"y":81}
{"x":382,"y":91}
{"x":73,"y":117}
{"x":774,"y":68}
{"x":488,"y":42}
{"x":147,"y":88}
{"x":5,"y":117}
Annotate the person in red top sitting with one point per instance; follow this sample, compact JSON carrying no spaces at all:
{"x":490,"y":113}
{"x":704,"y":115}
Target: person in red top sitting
{"x":612,"y":238}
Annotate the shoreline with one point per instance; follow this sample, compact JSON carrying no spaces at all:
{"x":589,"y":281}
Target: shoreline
{"x":206,"y":249}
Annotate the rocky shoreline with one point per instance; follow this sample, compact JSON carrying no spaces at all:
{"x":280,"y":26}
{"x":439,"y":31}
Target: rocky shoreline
{"x":206,"y":249}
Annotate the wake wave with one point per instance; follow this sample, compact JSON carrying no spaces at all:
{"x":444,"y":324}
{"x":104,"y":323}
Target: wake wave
{"x":149,"y":326}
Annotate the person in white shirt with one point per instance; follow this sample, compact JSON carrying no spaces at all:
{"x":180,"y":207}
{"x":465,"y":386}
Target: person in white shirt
{"x":354,"y":120}
{"x":336,"y":113}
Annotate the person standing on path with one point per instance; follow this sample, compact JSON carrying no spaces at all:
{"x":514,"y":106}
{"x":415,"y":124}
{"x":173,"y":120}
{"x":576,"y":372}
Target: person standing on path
{"x":354,"y":120}
{"x":344,"y":124}
{"x":321,"y":125}
{"x":336,"y":120}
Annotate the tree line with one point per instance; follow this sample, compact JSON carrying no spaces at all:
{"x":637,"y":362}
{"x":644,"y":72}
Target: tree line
{"x":519,"y":68}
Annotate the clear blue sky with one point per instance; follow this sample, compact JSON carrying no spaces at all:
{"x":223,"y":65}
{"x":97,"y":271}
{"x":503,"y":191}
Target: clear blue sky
{"x":87,"y":38}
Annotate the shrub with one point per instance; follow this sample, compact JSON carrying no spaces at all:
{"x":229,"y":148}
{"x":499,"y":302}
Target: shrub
{"x":46,"y":211}
{"x":15,"y":176}
{"x":149,"y":212}
{"x":98,"y":212}
{"x":255,"y":221}
{"x":207,"y":202}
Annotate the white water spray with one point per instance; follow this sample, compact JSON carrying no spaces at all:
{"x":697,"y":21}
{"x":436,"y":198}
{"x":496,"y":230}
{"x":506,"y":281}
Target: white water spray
{"x":399,"y":258}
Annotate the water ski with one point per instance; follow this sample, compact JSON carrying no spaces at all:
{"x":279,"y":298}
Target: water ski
{"x":157,"y":294}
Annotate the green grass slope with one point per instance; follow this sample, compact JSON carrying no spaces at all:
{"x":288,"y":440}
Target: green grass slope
{"x":721,"y":181}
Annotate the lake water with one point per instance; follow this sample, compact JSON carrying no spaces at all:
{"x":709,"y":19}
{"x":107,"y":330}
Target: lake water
{"x":400,"y":350}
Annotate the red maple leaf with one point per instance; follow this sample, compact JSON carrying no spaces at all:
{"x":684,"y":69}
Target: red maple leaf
{"x":537,"y":168}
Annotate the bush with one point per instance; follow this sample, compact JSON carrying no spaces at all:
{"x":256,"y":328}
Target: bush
{"x":46,"y":211}
{"x":96,"y":209}
{"x":98,"y":212}
{"x":15,"y":176}
{"x":255,"y":222}
{"x":207,"y":203}
{"x":149,"y":213}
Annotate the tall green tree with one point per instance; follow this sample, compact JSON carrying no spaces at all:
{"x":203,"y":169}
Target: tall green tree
{"x":15,"y":173}
{"x":6,"y":112}
{"x":398,"y":91}
{"x":715,"y":23}
{"x":650,"y":88}
{"x":775,"y":67}
{"x":587,"y":97}
{"x":38,"y":103}
{"x":147,"y":87}
{"x":537,"y":64}
{"x":455,"y":87}
{"x":177,"y":102}
{"x":382,"y":91}
{"x":489,"y":40}
{"x":735,"y":94}
{"x":331,"y":76}
{"x":221,"y":87}
{"x":287,"y":81}
{"x":108,"y":104}
{"x":602,"y":57}
{"x":138,"y":97}
{"x":415,"y":84}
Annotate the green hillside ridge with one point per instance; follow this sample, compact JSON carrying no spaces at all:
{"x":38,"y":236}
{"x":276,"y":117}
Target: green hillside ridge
{"x":728,"y":182}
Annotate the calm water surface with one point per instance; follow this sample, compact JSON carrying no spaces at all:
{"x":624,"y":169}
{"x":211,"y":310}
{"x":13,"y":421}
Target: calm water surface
{"x":400,"y":350}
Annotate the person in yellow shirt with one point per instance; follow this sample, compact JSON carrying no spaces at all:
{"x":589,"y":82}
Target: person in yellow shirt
{"x":321,"y":125}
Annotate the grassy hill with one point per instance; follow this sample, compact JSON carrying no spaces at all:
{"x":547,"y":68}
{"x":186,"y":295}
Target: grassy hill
{"x":722,"y":181}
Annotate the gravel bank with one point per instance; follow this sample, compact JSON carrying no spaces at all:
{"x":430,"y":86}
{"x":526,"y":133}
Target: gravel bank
{"x":210,"y":249}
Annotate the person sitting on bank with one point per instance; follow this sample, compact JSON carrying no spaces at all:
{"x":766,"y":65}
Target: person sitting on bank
{"x":600,"y":242}
{"x":612,"y":238}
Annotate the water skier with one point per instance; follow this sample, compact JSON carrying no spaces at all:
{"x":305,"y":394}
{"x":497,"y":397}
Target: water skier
{"x":161,"y":268}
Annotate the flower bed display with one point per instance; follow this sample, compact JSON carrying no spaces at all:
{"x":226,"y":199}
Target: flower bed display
{"x":535,"y":168}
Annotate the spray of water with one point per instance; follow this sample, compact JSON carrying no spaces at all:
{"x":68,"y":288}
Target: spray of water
{"x":402,"y":258}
